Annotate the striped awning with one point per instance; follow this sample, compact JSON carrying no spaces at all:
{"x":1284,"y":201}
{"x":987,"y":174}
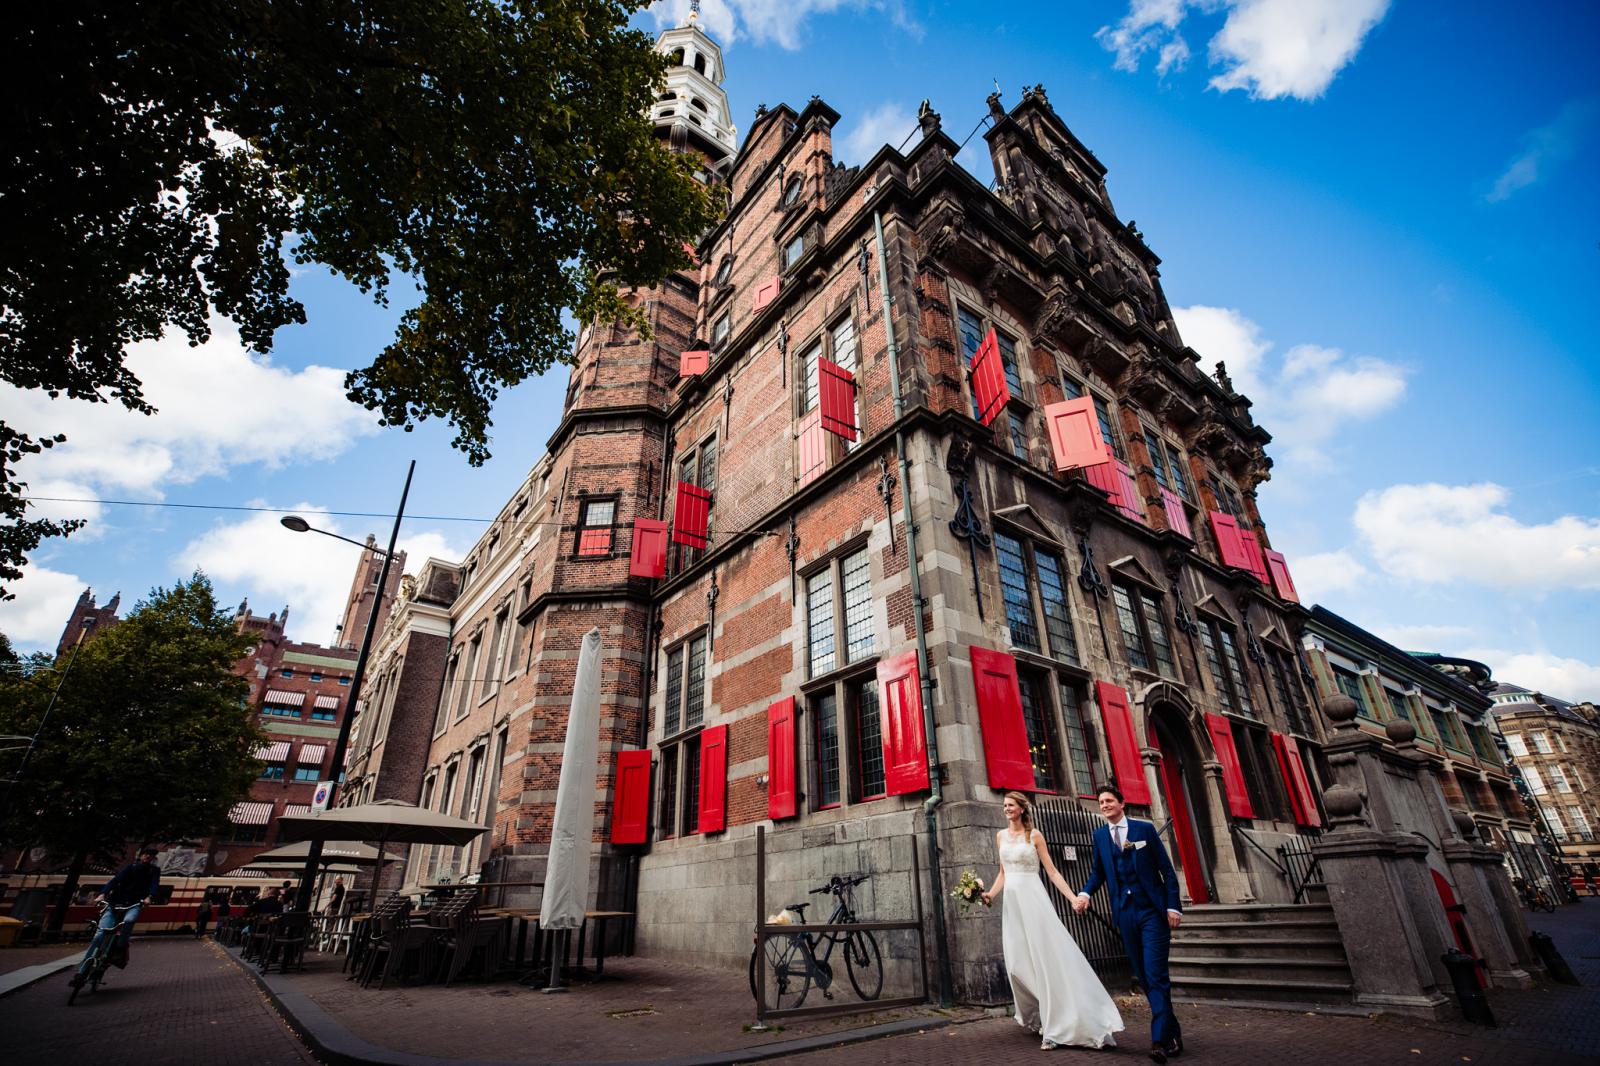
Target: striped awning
{"x":242,"y":872}
{"x":311,"y":753}
{"x":288,"y":699}
{"x":327,"y":703}
{"x":297,"y":808}
{"x":274,"y":752}
{"x":250,"y":813}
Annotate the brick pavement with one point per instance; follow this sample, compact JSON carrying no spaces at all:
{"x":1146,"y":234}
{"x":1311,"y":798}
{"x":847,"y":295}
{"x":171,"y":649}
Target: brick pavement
{"x":20,"y":958}
{"x":178,"y":1002}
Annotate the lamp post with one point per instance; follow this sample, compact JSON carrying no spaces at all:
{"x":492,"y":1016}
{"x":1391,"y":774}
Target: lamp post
{"x":308,"y":875}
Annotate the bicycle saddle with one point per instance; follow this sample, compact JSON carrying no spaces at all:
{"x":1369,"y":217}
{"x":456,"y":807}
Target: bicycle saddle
{"x":798,"y":908}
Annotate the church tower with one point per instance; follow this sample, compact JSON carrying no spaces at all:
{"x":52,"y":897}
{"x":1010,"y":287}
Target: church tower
{"x":692,"y":109}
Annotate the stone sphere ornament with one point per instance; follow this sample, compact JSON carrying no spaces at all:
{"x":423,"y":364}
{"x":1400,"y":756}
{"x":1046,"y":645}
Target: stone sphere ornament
{"x":1339,"y":709}
{"x":1342,"y":801}
{"x":1399,"y":730}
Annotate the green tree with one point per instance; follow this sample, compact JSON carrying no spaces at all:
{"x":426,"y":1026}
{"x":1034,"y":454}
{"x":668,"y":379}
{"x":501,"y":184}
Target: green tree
{"x":159,"y":153}
{"x":148,"y":739}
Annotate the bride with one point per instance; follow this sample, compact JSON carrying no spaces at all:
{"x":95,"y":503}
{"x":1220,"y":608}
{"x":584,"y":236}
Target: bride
{"x":1056,"y":992}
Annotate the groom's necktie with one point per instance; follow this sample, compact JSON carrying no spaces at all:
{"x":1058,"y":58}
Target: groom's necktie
{"x":1116,"y":834}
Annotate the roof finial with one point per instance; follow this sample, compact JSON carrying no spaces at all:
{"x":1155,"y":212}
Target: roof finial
{"x":694,"y":10}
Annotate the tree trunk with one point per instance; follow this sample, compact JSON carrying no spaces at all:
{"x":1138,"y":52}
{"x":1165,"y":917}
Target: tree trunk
{"x":58,"y":917}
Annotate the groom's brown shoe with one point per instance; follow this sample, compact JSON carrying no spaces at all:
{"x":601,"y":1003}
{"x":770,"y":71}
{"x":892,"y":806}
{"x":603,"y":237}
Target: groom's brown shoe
{"x":1158,"y":1054}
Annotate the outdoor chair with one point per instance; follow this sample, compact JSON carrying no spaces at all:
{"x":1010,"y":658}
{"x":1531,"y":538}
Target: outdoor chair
{"x":366,"y":936}
{"x":288,"y":942}
{"x":255,"y":945}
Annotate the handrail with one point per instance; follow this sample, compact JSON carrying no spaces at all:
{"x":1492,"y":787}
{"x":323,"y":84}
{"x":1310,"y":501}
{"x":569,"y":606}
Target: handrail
{"x":1264,"y":854}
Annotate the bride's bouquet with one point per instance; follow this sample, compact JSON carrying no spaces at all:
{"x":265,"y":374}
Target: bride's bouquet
{"x":969,"y":891}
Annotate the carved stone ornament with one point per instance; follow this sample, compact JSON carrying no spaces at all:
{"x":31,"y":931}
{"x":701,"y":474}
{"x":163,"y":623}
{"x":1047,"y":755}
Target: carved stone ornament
{"x":1060,"y":317}
{"x":943,"y":233}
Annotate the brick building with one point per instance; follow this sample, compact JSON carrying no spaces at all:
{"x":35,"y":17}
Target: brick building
{"x":87,"y":616}
{"x":1114,"y":613}
{"x":1556,"y":747}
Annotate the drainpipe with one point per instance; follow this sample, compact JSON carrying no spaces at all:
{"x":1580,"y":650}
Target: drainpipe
{"x":930,"y":806}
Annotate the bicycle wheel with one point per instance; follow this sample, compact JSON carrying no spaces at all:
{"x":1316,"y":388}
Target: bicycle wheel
{"x":76,"y":983}
{"x":788,"y":974}
{"x":865,"y":963}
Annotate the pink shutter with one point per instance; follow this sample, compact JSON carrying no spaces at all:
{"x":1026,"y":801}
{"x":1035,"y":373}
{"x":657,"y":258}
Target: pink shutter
{"x":713,"y":779}
{"x":1282,"y":583}
{"x":813,"y":447}
{"x":630,"y":808}
{"x":1229,"y":547}
{"x":595,"y":541}
{"x":696,"y":362}
{"x":781,"y":794}
{"x":1251,"y":542}
{"x":1108,"y":479}
{"x":1005,"y":736}
{"x":1221,"y":731}
{"x":766,"y":292}
{"x":838,"y":399}
{"x":649,"y":557}
{"x":1075,"y":439}
{"x":1132,"y":502}
{"x":989,"y":386}
{"x":905,"y":742}
{"x":691,"y":516}
{"x":1177,"y":517}
{"x":1117,"y":717}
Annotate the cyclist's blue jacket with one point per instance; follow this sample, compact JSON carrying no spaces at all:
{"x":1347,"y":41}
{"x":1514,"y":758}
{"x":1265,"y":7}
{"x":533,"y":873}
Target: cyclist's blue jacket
{"x":134,"y":882}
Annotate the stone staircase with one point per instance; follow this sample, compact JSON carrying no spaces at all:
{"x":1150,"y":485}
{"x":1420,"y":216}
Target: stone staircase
{"x":1265,"y":953}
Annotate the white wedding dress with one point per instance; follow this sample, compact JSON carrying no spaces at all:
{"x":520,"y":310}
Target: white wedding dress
{"x":1056,"y":992}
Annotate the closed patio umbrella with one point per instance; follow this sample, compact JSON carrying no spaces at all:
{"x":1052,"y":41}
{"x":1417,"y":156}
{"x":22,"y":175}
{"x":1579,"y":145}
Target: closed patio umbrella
{"x":566,"y":887}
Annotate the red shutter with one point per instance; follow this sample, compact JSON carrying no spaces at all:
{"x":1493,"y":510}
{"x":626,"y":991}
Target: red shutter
{"x":1295,"y":781}
{"x":905,"y":743}
{"x":1108,"y":480}
{"x":691,"y":516}
{"x":595,"y":541}
{"x":1075,"y":439}
{"x":649,"y":557}
{"x":781,"y":793}
{"x":630,"y":809}
{"x":1221,"y":731}
{"x":1278,"y":570}
{"x":766,"y":292}
{"x":1177,"y":517}
{"x":1229,"y":546}
{"x":1254,"y":563}
{"x":838,"y":403}
{"x":1005,"y":736}
{"x":1124,"y":744}
{"x":691,"y":363}
{"x":1132,"y":503}
{"x":713,"y":779}
{"x":813,"y":441}
{"x":989,"y":387}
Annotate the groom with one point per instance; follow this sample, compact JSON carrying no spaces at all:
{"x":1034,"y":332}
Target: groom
{"x":1128,"y":857}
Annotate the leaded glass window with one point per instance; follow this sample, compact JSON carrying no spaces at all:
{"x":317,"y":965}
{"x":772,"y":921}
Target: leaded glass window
{"x":1057,"y":615}
{"x":855,"y":576}
{"x":1128,"y":623}
{"x":1014,"y":589}
{"x":869,"y":740}
{"x":825,"y":712}
{"x":819,"y":620}
{"x":1041,"y":737}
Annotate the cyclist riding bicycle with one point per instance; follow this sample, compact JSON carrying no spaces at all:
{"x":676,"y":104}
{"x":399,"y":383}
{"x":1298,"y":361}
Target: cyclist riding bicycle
{"x":133,"y":886}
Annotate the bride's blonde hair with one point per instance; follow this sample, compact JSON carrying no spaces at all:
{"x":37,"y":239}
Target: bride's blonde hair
{"x":1027,"y":808}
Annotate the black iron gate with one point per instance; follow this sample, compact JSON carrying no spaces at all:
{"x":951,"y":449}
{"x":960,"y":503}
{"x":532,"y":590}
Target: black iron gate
{"x":1069,"y":834}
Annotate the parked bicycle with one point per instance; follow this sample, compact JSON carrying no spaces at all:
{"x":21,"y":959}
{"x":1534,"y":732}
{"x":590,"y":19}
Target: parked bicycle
{"x":98,"y":958}
{"x":1535,"y":898}
{"x":796,"y":961}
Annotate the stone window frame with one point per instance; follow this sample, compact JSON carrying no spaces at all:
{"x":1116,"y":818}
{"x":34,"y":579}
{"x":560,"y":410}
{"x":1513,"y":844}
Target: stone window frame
{"x":824,"y":344}
{"x":843,"y":689}
{"x":1149,"y":599}
{"x":692,"y":460}
{"x":520,"y":656}
{"x":498,"y":625}
{"x":833,"y":564}
{"x":441,"y":719}
{"x":1281,"y":680}
{"x":474,"y":646}
{"x":584,"y":525}
{"x":1031,"y":545}
{"x":685,"y":647}
{"x":1233,"y":693}
{"x":1263,"y":778}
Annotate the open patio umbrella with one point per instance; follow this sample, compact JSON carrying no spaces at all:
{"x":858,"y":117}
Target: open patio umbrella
{"x":348,"y":853}
{"x":386,"y":821}
{"x":566,"y":888}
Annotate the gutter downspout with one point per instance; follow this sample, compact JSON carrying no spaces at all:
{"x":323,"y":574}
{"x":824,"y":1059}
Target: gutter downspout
{"x":930,"y":806}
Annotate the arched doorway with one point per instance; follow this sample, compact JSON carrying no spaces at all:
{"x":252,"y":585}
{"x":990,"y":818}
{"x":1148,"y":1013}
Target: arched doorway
{"x":1183,"y":789}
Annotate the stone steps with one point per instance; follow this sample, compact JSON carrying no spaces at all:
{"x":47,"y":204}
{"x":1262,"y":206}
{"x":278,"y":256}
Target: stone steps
{"x":1261,"y":952}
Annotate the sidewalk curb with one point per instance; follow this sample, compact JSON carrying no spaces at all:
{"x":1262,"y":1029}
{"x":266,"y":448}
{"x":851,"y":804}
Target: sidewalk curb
{"x":336,"y":1044}
{"x":17,"y":980}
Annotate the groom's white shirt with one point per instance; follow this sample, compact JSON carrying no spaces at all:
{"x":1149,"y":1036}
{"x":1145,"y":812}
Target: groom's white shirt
{"x":1122,"y":824}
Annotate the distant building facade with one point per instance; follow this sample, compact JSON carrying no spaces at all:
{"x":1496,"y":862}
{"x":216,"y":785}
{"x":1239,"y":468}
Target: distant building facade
{"x":1556,"y":747}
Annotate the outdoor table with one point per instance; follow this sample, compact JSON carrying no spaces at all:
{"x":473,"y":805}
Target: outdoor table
{"x":600,"y":918}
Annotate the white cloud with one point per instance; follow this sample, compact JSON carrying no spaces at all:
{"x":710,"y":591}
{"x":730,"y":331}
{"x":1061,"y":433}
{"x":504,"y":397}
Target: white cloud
{"x":1545,"y":147}
{"x":1321,"y":574}
{"x":1277,"y":48}
{"x":1303,"y":398}
{"x":1440,"y":638}
{"x":1554,"y":675}
{"x":1461,"y":534}
{"x":259,"y":559}
{"x":889,"y":123}
{"x":1269,"y":48}
{"x":44,"y":602}
{"x":780,"y":22}
{"x":218,"y":407}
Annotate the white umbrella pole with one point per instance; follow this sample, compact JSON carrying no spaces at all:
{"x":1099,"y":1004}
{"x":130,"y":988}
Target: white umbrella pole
{"x":566,"y":892}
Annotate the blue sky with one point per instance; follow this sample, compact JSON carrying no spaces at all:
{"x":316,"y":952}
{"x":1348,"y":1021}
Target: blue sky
{"x":1380,"y":215}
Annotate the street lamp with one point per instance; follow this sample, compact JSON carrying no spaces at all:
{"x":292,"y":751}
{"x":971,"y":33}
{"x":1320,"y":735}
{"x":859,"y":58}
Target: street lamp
{"x":308,"y":875}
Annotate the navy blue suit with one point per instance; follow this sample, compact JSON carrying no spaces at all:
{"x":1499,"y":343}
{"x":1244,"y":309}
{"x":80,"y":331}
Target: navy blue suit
{"x":1143,"y":887}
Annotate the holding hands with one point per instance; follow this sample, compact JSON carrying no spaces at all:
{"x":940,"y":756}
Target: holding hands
{"x":1080,"y":903}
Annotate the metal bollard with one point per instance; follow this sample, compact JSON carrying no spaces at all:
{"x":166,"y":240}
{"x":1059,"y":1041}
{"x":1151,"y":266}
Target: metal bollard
{"x":1464,"y":975}
{"x":1553,"y":962}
